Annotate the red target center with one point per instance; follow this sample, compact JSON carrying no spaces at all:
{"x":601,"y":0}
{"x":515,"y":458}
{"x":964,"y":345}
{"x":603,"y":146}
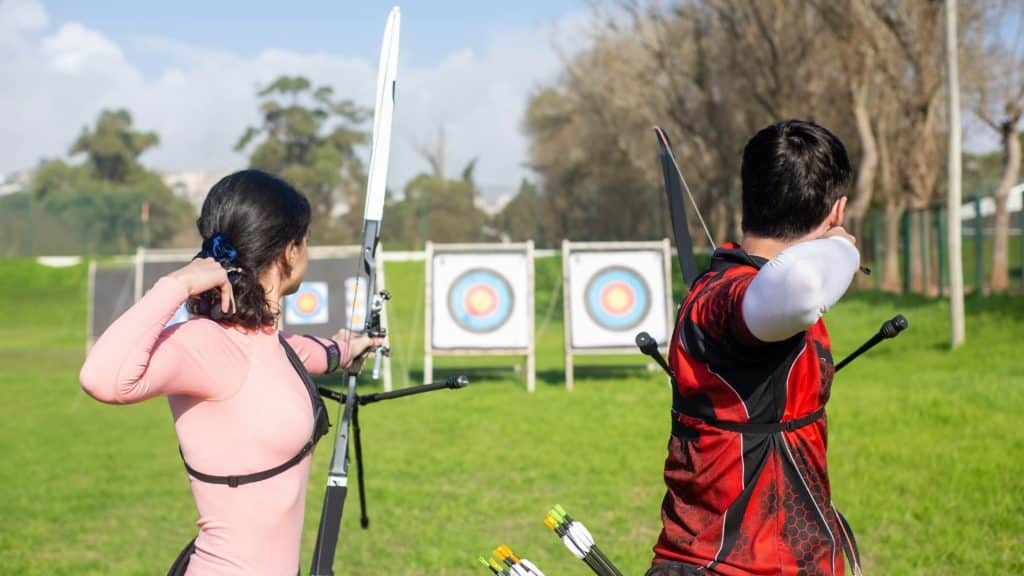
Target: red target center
{"x":480,"y":300}
{"x":617,"y":298}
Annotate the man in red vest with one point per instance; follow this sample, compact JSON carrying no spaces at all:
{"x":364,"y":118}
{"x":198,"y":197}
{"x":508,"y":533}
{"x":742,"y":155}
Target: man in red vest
{"x":748,"y":489}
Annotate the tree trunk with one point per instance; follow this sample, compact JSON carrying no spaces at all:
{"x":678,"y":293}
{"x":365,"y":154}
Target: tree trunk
{"x":1000,"y":280}
{"x":719,"y":223}
{"x":891,"y":281}
{"x":917,"y":271}
{"x":931,"y":249}
{"x":868,"y":167}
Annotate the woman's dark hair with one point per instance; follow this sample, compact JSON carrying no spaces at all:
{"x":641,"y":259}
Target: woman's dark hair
{"x":258,"y":215}
{"x":793,"y":172}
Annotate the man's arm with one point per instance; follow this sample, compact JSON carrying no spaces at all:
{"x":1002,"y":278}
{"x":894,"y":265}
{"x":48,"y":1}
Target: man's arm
{"x":790,"y":292}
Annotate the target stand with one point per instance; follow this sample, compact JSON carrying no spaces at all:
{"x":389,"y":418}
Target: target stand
{"x":479,"y":303}
{"x":610,"y":292}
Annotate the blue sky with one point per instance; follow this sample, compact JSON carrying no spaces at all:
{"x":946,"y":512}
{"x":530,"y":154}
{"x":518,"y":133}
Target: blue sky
{"x":190,"y":70}
{"x":431,"y":28}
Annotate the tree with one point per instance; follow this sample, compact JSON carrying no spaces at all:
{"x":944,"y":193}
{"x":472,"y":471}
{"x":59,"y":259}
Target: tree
{"x":911,"y":33}
{"x":104,"y":196}
{"x":520,"y":219}
{"x":113,"y":148}
{"x":445,"y":209}
{"x":996,"y":92}
{"x":310,"y":139}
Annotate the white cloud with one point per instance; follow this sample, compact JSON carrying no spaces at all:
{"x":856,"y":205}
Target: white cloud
{"x":77,"y":50}
{"x":202,"y":102}
{"x":18,"y":16}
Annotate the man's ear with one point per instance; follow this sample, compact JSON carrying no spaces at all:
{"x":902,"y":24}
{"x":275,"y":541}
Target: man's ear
{"x":838,"y":214}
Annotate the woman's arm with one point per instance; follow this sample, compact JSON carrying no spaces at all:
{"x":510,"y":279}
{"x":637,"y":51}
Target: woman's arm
{"x":790,"y":292}
{"x":136,"y":358}
{"x":118,"y":368}
{"x":318,"y":355}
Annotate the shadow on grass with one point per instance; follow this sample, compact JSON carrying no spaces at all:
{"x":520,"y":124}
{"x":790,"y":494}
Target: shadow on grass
{"x":548,"y":377}
{"x":975,"y":305}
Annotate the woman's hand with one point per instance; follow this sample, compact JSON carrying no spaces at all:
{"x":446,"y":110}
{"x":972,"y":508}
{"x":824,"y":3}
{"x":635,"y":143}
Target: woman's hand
{"x":357,"y":344}
{"x":203,"y":274}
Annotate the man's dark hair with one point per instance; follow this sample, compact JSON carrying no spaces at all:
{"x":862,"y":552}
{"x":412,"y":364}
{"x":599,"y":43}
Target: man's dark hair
{"x":793,"y":172}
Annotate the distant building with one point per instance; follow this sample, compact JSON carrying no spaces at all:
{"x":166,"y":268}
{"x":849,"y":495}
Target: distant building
{"x":191,"y":185}
{"x":493,"y":199}
{"x":15,"y":182}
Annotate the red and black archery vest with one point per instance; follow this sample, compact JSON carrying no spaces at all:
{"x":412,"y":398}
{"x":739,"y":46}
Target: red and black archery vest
{"x":746,"y":474}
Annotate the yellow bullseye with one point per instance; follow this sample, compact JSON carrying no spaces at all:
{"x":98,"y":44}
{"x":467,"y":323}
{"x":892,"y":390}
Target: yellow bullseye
{"x":306,"y":303}
{"x":618,"y":298}
{"x":481,"y":301}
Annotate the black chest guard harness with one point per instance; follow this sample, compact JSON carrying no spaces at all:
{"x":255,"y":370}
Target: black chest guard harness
{"x":320,"y":427}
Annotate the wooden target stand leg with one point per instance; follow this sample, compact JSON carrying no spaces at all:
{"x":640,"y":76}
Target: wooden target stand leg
{"x":567,"y":329}
{"x":428,"y":314}
{"x":531,"y":357}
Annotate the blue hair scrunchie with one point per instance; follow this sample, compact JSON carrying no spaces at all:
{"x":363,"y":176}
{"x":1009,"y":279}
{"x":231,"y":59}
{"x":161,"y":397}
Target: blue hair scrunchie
{"x":218,"y":248}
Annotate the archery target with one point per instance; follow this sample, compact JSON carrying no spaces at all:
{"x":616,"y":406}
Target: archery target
{"x":308,"y":305}
{"x":617,"y":298}
{"x":355,"y":302}
{"x":613,"y":295}
{"x":479,"y":300}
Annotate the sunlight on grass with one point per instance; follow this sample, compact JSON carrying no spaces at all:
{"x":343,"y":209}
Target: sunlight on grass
{"x":926,"y":448}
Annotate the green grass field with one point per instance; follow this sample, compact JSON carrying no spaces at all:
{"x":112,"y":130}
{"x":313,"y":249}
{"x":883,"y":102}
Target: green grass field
{"x":927,"y":448}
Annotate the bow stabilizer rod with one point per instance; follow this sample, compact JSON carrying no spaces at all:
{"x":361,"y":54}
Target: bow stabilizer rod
{"x":649,"y":346}
{"x":890,"y":329}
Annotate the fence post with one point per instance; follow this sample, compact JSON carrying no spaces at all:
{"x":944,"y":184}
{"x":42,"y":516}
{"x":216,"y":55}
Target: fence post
{"x":940,"y":229}
{"x":979,"y":248}
{"x":906,"y":250}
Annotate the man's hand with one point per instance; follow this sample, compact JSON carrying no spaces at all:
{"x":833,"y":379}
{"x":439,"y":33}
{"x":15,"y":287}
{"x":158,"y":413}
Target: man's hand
{"x":840,"y":232}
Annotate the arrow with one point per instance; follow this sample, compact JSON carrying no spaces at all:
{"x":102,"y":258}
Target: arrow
{"x":579,"y":541}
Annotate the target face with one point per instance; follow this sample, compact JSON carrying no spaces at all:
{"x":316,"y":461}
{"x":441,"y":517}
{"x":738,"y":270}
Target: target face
{"x":308,"y":305}
{"x":617,"y":298}
{"x":355,"y":302}
{"x":480,"y":300}
{"x":613,"y":294}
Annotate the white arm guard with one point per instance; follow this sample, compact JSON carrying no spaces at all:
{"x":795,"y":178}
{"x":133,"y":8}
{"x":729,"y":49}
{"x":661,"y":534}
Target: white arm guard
{"x":793,"y":290}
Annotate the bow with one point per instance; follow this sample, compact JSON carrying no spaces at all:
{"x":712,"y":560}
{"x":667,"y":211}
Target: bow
{"x":376,"y":188}
{"x":675,"y":184}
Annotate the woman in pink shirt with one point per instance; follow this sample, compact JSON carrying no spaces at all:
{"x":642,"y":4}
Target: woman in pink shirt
{"x":245,"y":411}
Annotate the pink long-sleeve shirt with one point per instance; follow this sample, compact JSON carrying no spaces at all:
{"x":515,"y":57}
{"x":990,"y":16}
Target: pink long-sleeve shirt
{"x":239,"y":407}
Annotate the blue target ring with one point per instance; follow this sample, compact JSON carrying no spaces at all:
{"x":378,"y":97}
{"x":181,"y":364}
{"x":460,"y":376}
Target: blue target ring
{"x":480,"y":300}
{"x":617,"y":298}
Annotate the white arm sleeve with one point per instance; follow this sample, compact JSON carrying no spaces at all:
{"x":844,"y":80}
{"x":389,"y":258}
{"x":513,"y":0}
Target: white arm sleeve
{"x":793,"y":290}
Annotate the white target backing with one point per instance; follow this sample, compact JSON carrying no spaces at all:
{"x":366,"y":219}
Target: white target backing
{"x":613,"y":295}
{"x":480,"y":300}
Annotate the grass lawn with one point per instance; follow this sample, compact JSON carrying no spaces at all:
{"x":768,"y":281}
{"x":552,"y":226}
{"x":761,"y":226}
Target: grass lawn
{"x":926,"y":448}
